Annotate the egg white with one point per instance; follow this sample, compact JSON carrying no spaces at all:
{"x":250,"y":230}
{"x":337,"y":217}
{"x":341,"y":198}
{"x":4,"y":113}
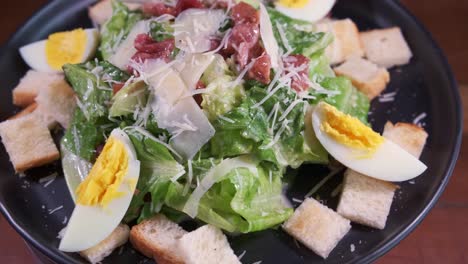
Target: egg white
{"x":313,"y":11}
{"x":389,"y":163}
{"x":89,"y":225}
{"x":34,"y":54}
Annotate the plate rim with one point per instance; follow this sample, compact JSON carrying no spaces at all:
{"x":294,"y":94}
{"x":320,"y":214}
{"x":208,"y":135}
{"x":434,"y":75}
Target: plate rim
{"x":51,"y":252}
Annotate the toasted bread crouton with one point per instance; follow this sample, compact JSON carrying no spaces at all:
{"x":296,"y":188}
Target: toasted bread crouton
{"x":206,"y":245}
{"x":366,"y":200}
{"x":386,"y":47}
{"x":29,"y":86}
{"x":102,"y":11}
{"x":410,"y":137}
{"x":26,"y":111}
{"x":157,"y":237}
{"x":346,"y":42}
{"x":116,"y":239}
{"x":28,"y":143}
{"x":365,"y":75}
{"x":317,"y":226}
{"x":57,"y":102}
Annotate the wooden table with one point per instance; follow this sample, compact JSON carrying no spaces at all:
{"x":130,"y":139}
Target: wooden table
{"x":443,"y":235}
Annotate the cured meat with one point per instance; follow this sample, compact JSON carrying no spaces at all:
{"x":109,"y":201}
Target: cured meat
{"x":147,"y":48}
{"x":245,"y":13}
{"x":260,"y":70}
{"x":299,"y":64}
{"x":158,"y":9}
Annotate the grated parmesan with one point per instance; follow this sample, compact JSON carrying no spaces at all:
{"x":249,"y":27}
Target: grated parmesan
{"x":51,"y":211}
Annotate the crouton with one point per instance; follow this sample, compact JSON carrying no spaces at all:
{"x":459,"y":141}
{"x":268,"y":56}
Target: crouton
{"x":116,"y":239}
{"x":410,"y":137}
{"x":386,"y":47}
{"x":28,"y":143}
{"x":346,"y":42}
{"x":26,"y":111}
{"x":56,"y":102}
{"x":157,"y":237}
{"x":365,"y":75}
{"x":29,"y":86}
{"x":206,"y":245}
{"x":317,"y":226}
{"x":366,"y":200}
{"x":102,"y":11}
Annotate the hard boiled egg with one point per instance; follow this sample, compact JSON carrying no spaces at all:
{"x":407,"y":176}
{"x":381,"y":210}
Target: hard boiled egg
{"x":103,"y":198}
{"x":309,"y":10}
{"x":361,"y":149}
{"x":60,"y":48}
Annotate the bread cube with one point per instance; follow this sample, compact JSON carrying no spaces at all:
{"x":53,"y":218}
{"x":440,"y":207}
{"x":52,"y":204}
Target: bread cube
{"x":26,"y":111}
{"x":28,"y":143}
{"x":56,"y":102}
{"x":386,"y":47}
{"x":116,"y":239}
{"x":29,"y":86}
{"x":206,"y":245}
{"x":365,"y":75}
{"x":410,"y":137}
{"x":157,"y":237}
{"x":317,"y":227}
{"x":346,"y":42}
{"x":366,"y":200}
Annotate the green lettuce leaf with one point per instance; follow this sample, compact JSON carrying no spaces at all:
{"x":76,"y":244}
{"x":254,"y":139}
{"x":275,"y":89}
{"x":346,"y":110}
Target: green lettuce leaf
{"x":241,"y":131}
{"x":347,"y":99}
{"x":130,"y":97}
{"x":83,"y":137}
{"x":220,"y":97}
{"x":161,"y":30}
{"x":90,"y":121}
{"x":298,"y":33}
{"x":158,"y":169}
{"x":288,"y":142}
{"x":239,"y":201}
{"x":116,"y":29}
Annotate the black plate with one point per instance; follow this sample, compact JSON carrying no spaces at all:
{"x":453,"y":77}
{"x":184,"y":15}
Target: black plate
{"x":426,"y":85}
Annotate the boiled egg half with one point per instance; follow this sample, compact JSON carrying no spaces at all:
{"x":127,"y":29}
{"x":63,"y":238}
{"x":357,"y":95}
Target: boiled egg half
{"x":103,"y":198}
{"x":359,"y":148}
{"x":308,"y":10}
{"x":60,"y":48}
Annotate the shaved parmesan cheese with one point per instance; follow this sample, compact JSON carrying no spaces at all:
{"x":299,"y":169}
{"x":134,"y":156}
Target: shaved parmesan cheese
{"x":194,"y":27}
{"x":126,"y":50}
{"x":168,"y":85}
{"x":192,"y":66}
{"x":268,"y":38}
{"x":187,"y":140}
{"x":176,"y":111}
{"x":213,"y":176}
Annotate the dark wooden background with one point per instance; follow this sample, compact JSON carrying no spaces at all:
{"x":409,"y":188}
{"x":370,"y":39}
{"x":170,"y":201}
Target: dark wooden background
{"x":443,"y":235}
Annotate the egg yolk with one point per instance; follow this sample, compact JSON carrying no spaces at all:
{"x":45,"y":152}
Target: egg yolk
{"x":65,"y":47}
{"x":349,"y":130}
{"x":293,"y":3}
{"x":102,"y":184}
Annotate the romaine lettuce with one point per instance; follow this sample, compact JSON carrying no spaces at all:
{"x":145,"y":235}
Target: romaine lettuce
{"x":116,"y":29}
{"x":158,"y":170}
{"x":90,"y":121}
{"x":347,"y":98}
{"x":221,"y":97}
{"x":297,"y":34}
{"x":128,"y":99}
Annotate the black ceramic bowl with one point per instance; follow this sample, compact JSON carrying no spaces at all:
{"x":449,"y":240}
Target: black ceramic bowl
{"x":426,"y":85}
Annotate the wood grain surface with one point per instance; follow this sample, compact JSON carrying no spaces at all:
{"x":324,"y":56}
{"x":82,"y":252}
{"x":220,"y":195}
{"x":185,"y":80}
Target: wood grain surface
{"x":443,"y":235}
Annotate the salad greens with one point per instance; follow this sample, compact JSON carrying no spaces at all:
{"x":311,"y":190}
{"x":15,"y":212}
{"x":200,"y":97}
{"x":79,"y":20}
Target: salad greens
{"x":235,"y":181}
{"x":116,"y":29}
{"x":297,"y":35}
